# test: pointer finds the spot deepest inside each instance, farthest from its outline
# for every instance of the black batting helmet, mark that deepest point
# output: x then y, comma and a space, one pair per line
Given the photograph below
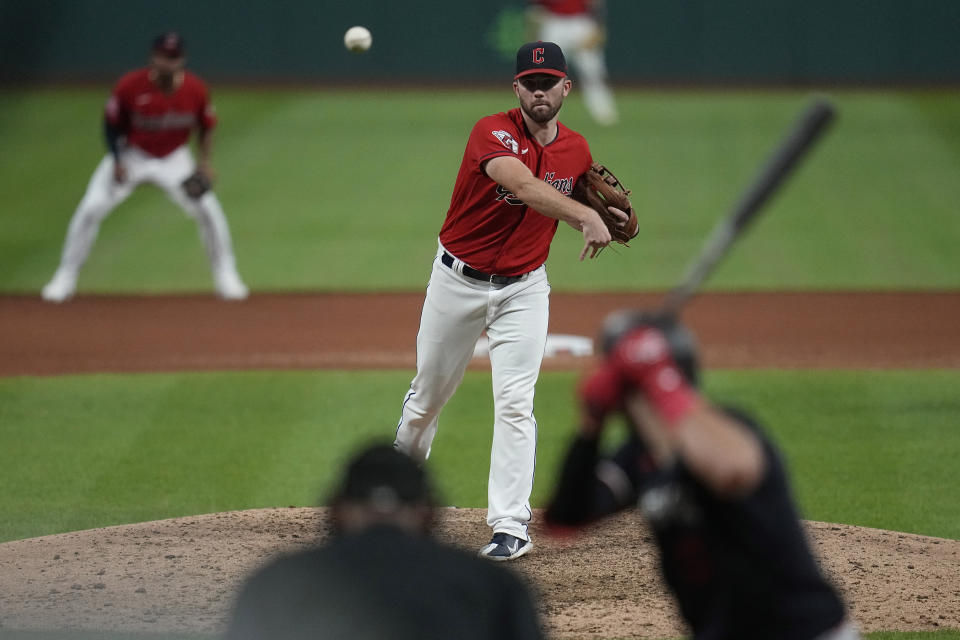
683, 345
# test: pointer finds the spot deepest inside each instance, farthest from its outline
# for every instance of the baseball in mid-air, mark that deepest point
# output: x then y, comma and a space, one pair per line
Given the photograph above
357, 39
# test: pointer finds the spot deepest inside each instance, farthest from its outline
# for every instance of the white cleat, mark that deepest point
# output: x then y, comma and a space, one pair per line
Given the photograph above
61, 287
231, 287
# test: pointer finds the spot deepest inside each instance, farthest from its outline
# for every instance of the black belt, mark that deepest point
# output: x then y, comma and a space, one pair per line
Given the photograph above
470, 272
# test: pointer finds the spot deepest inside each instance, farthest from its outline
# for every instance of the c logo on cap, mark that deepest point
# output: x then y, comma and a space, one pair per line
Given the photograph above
538, 55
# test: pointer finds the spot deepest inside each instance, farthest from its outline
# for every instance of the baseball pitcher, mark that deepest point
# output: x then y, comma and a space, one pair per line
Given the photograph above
512, 189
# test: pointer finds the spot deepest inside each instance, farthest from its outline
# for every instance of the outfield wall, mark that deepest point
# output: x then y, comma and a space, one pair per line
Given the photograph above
664, 41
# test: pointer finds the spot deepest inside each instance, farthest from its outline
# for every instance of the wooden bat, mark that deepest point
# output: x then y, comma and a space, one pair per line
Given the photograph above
809, 127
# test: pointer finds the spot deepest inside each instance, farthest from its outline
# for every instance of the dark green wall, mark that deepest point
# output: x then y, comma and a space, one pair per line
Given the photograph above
673, 41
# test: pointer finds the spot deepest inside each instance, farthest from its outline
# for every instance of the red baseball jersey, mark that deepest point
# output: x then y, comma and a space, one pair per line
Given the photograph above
566, 7
156, 121
488, 227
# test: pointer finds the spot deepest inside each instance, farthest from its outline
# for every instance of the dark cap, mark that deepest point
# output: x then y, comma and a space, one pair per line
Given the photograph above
168, 44
540, 57
382, 476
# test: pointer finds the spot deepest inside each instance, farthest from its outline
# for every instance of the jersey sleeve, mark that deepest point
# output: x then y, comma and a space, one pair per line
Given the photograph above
492, 137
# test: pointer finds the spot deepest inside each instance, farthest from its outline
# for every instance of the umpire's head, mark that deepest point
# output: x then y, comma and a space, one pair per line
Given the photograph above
382, 486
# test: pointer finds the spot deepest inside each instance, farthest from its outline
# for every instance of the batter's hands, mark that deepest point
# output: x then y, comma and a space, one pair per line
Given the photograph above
644, 361
596, 236
642, 356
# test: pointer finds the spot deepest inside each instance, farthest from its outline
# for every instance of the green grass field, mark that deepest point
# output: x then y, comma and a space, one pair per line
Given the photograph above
324, 188
873, 449
346, 190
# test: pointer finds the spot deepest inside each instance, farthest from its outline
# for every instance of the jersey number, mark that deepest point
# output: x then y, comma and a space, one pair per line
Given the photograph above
506, 196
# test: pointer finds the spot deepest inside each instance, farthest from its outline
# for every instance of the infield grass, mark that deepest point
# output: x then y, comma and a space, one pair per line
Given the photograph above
343, 190
875, 449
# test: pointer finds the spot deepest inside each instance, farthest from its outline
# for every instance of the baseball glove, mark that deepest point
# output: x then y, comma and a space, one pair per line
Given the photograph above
196, 184
598, 188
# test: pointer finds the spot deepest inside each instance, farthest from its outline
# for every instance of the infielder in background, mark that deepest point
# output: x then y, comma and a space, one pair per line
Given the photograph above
382, 575
710, 484
517, 171
579, 27
149, 118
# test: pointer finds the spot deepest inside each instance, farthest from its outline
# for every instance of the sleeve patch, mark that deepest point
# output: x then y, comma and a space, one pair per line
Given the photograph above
507, 140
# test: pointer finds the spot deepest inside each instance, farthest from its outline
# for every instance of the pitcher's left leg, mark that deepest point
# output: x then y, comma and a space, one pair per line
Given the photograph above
517, 338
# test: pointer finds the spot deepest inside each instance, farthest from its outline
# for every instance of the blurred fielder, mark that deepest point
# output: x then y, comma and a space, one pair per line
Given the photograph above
579, 27
149, 118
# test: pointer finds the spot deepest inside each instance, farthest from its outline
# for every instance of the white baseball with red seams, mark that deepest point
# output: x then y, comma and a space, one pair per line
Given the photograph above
357, 39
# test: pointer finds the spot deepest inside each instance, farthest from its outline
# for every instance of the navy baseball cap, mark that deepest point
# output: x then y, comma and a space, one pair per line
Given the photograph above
169, 44
540, 57
381, 474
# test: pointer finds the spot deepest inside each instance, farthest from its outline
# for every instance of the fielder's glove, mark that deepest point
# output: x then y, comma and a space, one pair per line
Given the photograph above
196, 184
598, 189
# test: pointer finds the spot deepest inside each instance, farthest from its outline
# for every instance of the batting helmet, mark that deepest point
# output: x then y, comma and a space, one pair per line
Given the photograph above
683, 345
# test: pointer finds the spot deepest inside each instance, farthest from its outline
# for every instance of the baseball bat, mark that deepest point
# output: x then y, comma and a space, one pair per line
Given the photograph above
808, 128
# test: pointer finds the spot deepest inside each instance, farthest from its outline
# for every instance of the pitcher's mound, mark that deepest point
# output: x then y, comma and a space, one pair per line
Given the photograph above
180, 575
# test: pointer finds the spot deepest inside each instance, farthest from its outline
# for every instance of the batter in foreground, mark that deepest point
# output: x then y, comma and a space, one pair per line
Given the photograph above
512, 190
711, 485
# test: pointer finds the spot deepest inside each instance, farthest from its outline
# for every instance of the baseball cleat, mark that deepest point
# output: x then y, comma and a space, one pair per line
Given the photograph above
504, 546
61, 287
231, 287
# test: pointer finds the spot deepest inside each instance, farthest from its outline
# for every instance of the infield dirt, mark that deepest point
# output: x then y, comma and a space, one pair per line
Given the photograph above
324, 331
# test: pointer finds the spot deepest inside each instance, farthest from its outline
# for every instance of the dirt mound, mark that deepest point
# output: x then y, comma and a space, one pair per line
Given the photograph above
180, 575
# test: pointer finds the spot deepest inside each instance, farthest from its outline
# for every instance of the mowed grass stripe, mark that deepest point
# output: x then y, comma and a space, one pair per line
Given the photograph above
339, 190
866, 448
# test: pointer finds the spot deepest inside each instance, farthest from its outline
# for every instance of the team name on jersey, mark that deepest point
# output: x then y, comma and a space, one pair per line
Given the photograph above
164, 121
563, 185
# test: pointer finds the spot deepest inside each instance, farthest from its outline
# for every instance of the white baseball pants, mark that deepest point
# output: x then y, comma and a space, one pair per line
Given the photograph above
456, 311
104, 194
